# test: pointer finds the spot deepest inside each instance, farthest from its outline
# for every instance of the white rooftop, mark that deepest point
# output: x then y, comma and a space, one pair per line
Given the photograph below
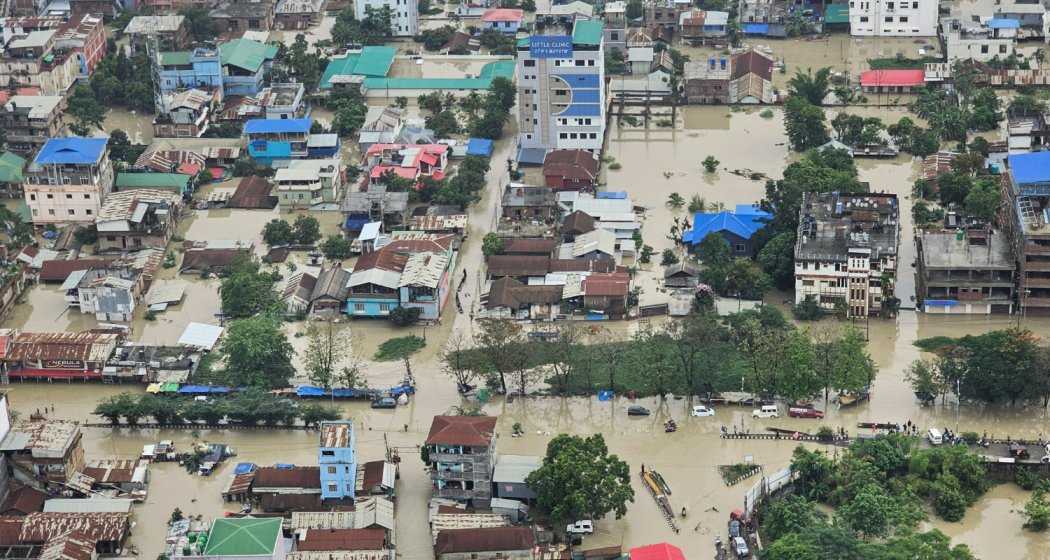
201, 335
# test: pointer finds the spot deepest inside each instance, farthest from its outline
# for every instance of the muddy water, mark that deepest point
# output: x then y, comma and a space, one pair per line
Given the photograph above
139, 127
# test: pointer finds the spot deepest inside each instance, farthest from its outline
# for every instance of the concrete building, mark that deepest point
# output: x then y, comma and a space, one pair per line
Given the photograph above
903, 18
277, 140
404, 14
279, 101
508, 478
30, 59
30, 120
45, 451
965, 271
337, 460
238, 16
995, 39
846, 250
707, 81
528, 203
111, 295
461, 451
186, 114
199, 68
170, 31
701, 26
892, 81
138, 218
308, 182
561, 92
297, 14
67, 180
745, 77
504, 20
244, 65
1027, 186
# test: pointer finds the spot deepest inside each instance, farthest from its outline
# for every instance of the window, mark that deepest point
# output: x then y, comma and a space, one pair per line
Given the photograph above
50, 211
1002, 49
333, 488
50, 196
32, 197
87, 197
357, 307
384, 307
563, 135
72, 212
88, 212
888, 19
69, 196
903, 19
580, 62
590, 63
984, 49
111, 238
915, 5
889, 5
332, 470
614, 36
807, 282
739, 247
530, 63
864, 19
328, 453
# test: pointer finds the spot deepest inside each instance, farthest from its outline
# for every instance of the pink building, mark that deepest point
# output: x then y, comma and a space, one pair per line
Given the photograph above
411, 162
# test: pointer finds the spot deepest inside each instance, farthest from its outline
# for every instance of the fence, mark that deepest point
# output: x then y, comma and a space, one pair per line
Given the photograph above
765, 487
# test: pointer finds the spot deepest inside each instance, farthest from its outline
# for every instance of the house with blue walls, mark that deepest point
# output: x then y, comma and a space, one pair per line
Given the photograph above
738, 228
411, 270
337, 461
244, 64
273, 141
199, 68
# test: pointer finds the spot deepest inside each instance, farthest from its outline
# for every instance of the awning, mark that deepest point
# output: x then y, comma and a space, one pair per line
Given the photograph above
169, 388
308, 391
755, 28
153, 388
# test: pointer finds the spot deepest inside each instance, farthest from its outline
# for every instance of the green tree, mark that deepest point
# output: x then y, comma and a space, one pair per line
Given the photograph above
668, 258
746, 280
675, 200
809, 86
855, 370
710, 164
405, 316
444, 124
1025, 105
278, 232
579, 479
245, 291
805, 124
306, 230
337, 247
634, 9
327, 349
1037, 511
87, 111
792, 514
814, 473
200, 24
258, 353
868, 512
491, 244
777, 259
982, 202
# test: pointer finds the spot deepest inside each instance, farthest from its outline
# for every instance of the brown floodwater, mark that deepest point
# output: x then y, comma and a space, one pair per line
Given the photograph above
688, 459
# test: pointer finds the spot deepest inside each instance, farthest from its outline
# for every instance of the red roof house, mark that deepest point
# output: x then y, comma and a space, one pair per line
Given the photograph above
507, 20
411, 162
473, 431
661, 551
570, 170
896, 81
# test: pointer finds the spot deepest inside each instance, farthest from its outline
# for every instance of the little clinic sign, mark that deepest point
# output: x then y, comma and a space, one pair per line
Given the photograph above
550, 46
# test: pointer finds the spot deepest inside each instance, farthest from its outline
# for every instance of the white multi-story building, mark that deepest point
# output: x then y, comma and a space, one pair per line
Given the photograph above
893, 18
404, 14
846, 250
561, 92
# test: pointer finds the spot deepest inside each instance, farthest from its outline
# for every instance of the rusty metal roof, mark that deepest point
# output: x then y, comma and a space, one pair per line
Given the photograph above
42, 527
83, 346
336, 434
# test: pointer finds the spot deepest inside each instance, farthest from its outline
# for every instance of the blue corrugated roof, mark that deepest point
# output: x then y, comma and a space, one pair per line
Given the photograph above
1003, 23
580, 80
582, 110
755, 28
277, 126
479, 147
1029, 168
743, 225
612, 195
72, 151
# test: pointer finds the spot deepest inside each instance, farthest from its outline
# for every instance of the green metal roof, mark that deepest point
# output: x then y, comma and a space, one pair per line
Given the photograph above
587, 32
174, 181
247, 54
246, 536
497, 69
371, 62
175, 58
11, 167
836, 13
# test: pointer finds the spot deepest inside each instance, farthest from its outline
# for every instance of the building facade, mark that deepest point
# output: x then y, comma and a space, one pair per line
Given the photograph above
965, 271
846, 250
461, 452
1027, 186
561, 92
337, 461
200, 68
30, 120
67, 180
404, 14
905, 18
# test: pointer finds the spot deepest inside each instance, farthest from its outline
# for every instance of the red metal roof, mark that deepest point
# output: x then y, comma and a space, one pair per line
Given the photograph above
503, 14
661, 551
295, 477
892, 78
58, 270
462, 430
613, 284
342, 539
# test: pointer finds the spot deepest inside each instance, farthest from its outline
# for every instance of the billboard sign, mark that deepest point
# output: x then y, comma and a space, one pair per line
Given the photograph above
550, 46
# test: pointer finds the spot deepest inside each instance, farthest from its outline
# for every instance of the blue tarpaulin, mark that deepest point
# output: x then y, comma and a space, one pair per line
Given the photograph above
219, 390
605, 395
244, 468
285, 466
479, 147
755, 28
941, 302
308, 391
194, 390
612, 195
355, 224
1003, 23
402, 389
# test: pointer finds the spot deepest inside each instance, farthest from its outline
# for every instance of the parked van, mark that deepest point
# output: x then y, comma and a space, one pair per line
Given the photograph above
935, 436
766, 411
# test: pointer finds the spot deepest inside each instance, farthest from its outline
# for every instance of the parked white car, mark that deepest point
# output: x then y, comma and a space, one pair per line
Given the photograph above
582, 527
701, 410
766, 411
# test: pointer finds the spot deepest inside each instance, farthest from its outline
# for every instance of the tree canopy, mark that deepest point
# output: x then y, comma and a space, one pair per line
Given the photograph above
258, 353
579, 479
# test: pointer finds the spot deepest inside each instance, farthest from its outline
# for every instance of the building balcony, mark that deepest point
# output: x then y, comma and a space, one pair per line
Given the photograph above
1036, 249
451, 475
454, 493
1036, 282
1028, 265
455, 458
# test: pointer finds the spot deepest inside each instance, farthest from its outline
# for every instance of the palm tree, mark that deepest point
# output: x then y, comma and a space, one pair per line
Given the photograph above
675, 200
697, 204
812, 87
